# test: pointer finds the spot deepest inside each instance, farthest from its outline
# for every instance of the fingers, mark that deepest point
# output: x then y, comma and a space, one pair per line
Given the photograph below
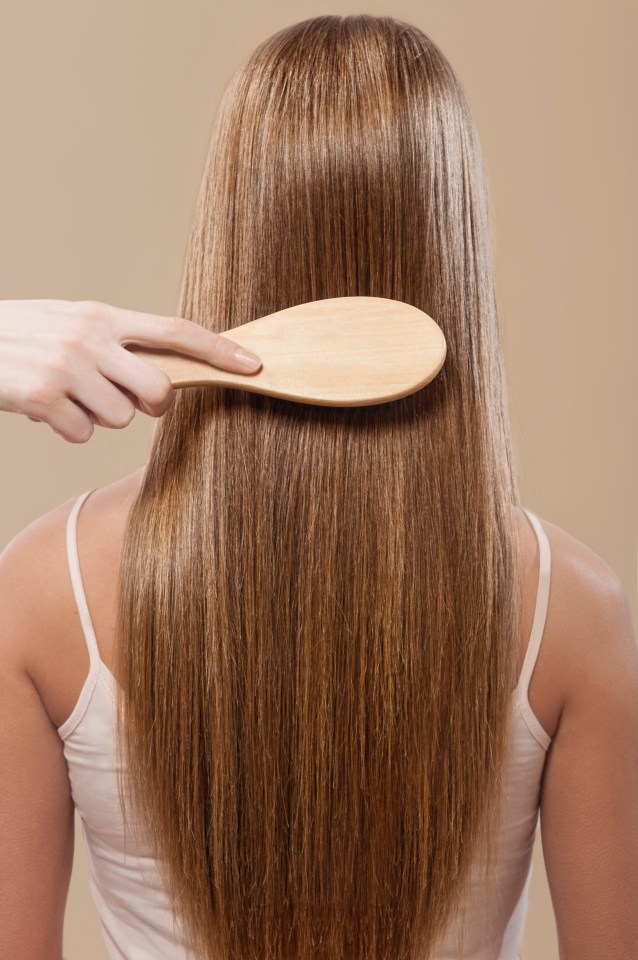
77, 372
109, 406
182, 336
68, 420
91, 399
142, 381
108, 396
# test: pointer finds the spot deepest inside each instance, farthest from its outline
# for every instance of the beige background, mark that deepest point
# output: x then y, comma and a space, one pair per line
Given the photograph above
106, 112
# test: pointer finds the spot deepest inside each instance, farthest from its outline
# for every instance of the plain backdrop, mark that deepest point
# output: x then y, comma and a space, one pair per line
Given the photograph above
106, 113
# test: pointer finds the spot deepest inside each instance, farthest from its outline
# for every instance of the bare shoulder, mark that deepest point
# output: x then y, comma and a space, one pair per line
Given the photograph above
36, 601
588, 616
42, 534
576, 560
37, 546
33, 574
578, 566
589, 610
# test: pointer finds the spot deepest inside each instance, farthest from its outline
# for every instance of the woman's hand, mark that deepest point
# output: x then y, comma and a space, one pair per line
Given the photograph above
64, 362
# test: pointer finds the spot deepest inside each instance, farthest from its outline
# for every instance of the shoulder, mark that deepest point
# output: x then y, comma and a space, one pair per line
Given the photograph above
32, 567
36, 600
580, 572
589, 633
589, 595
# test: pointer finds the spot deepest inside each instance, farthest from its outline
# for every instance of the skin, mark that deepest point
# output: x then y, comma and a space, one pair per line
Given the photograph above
64, 362
584, 691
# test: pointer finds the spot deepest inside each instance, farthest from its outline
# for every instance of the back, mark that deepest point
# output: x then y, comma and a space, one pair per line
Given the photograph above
588, 778
125, 883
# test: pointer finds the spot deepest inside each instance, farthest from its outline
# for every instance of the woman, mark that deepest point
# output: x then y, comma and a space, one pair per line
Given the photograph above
311, 632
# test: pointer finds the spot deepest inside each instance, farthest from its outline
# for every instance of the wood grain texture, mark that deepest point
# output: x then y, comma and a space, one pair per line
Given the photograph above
342, 351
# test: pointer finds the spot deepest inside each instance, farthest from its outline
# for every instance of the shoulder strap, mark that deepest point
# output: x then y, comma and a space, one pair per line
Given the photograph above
538, 626
542, 600
76, 580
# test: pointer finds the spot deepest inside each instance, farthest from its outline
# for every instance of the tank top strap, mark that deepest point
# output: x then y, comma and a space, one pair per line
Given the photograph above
76, 581
538, 626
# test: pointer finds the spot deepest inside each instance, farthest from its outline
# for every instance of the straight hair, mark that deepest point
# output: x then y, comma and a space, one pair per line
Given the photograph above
318, 612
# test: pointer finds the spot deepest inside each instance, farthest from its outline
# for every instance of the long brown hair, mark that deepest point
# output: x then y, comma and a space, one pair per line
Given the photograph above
319, 607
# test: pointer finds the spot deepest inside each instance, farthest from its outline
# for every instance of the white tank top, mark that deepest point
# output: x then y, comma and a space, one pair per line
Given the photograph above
136, 918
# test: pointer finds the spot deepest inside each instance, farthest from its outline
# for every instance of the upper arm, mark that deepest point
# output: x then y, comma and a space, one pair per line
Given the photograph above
589, 792
36, 807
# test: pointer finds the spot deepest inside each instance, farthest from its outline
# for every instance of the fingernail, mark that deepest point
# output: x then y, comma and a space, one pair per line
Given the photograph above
247, 359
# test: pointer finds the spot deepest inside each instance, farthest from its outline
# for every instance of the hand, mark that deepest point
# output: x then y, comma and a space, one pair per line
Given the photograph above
64, 362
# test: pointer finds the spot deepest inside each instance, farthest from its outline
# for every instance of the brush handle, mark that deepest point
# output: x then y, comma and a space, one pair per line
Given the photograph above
184, 371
